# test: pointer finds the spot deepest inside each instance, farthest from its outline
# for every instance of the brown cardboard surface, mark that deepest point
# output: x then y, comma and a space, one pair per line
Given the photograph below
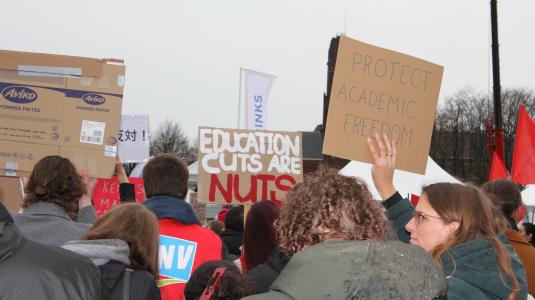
11, 192
53, 114
246, 174
376, 90
10, 60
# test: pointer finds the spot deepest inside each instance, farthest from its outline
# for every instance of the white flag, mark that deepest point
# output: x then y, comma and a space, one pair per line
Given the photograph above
257, 86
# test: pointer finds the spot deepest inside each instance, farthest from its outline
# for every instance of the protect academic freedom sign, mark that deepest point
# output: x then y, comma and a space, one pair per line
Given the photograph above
244, 166
376, 90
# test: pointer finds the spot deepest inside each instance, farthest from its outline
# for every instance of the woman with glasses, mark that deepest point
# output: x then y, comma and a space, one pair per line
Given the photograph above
459, 226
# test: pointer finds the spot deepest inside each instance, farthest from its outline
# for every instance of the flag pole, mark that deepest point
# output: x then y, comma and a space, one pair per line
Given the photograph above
239, 99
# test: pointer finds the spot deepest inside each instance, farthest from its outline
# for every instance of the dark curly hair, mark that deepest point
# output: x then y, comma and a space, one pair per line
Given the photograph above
54, 179
232, 286
326, 206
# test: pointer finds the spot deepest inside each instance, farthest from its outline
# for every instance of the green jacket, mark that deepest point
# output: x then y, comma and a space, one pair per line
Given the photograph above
358, 270
471, 268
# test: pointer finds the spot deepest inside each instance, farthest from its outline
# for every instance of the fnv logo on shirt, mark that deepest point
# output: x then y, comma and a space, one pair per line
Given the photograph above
175, 260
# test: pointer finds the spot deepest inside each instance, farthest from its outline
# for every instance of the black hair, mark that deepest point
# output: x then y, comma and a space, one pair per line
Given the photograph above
234, 219
233, 284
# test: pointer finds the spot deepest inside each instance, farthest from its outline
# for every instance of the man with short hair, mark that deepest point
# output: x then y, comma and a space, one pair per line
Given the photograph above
184, 244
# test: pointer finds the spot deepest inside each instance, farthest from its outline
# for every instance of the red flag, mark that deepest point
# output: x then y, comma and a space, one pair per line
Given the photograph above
497, 168
523, 170
414, 199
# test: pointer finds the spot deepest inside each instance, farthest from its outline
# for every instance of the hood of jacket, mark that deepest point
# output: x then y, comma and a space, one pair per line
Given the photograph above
101, 251
166, 207
359, 270
475, 262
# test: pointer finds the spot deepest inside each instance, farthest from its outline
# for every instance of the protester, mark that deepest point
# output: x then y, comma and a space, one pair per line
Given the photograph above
124, 245
56, 197
528, 229
218, 279
259, 237
334, 231
507, 197
232, 236
456, 224
184, 244
31, 270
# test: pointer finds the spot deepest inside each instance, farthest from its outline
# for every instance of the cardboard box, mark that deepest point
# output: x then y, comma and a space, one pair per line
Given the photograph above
59, 105
11, 192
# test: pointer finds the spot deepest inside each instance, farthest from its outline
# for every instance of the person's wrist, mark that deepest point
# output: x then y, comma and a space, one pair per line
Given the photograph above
85, 200
387, 192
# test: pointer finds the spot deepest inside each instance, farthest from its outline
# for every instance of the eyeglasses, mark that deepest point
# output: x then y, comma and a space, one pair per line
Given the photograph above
420, 216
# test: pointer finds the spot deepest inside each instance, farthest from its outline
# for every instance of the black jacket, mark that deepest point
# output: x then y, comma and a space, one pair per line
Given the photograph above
233, 240
265, 274
29, 270
142, 283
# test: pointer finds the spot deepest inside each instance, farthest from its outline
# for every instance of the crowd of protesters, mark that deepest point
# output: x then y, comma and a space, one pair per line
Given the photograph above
329, 240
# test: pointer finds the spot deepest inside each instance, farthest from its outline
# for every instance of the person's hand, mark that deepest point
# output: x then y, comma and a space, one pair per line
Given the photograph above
90, 182
384, 161
119, 170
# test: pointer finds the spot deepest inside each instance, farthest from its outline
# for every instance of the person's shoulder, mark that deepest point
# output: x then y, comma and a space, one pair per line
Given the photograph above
142, 276
461, 289
20, 217
207, 232
66, 256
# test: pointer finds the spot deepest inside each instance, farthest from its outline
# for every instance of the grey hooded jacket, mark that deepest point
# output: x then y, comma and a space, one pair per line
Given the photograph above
112, 258
49, 223
358, 270
30, 270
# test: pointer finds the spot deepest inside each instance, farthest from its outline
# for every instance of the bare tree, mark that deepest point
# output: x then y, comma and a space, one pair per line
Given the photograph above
170, 138
459, 142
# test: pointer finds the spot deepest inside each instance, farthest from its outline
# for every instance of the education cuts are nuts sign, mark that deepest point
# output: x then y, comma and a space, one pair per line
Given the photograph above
246, 166
376, 90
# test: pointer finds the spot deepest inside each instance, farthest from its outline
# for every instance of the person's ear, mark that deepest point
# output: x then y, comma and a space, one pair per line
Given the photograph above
517, 214
452, 227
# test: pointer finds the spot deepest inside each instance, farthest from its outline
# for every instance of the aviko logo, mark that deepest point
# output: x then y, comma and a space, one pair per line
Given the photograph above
175, 260
93, 99
19, 94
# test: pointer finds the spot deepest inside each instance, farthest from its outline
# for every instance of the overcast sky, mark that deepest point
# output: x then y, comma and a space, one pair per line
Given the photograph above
183, 57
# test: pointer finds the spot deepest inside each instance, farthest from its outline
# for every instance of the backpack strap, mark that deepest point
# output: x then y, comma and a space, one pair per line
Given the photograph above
126, 283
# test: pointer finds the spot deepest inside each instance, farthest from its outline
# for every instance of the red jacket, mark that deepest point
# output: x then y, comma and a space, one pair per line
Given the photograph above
184, 245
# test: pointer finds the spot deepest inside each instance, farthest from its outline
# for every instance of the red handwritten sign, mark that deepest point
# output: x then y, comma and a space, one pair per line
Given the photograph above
106, 193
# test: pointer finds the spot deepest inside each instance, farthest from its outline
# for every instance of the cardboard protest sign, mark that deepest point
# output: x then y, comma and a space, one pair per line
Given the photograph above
11, 192
59, 105
244, 166
376, 90
134, 138
106, 193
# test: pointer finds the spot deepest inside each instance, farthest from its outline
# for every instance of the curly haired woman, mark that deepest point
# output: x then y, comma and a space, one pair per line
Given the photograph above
335, 233
57, 203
